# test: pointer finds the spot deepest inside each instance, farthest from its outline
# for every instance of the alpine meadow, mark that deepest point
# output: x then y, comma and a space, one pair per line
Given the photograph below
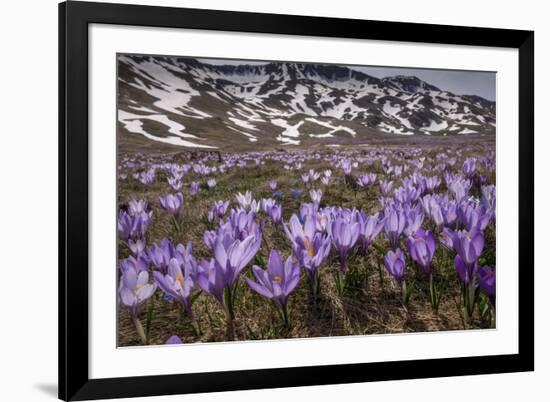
265, 200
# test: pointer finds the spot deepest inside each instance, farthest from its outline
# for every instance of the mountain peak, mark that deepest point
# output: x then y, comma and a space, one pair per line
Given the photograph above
409, 83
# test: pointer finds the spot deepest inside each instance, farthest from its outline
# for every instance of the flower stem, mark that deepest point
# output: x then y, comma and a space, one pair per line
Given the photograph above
404, 296
339, 284
149, 320
229, 314
228, 304
433, 295
314, 286
381, 276
285, 315
139, 329
176, 224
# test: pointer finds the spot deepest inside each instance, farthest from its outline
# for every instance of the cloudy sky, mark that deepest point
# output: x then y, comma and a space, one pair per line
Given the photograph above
459, 82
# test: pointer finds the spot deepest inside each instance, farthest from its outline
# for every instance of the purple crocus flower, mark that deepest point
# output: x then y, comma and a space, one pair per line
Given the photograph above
468, 246
244, 200
370, 228
194, 188
473, 215
366, 180
489, 197
344, 235
276, 214
433, 210
134, 290
432, 183
175, 183
300, 236
394, 224
297, 193
460, 188
147, 178
312, 253
173, 340
465, 272
469, 167
136, 263
243, 224
386, 187
137, 207
394, 261
346, 166
487, 282
217, 210
448, 208
211, 183
413, 219
172, 203
233, 258
278, 281
179, 281
308, 209
316, 196
210, 278
446, 238
160, 255
322, 220
273, 185
408, 193
266, 204
133, 227
421, 247
313, 175
219, 276
137, 246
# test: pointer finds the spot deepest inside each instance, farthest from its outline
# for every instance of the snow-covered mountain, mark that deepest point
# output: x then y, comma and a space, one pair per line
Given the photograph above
183, 102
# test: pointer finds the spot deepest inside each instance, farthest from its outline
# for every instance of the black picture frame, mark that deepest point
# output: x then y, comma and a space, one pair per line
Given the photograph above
74, 18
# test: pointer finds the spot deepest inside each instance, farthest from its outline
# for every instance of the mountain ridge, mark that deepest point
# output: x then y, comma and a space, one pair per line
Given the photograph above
187, 103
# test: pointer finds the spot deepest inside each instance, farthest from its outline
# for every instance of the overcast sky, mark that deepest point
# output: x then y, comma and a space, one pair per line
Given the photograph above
459, 82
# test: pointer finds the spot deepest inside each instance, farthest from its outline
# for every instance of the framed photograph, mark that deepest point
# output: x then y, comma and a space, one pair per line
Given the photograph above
257, 200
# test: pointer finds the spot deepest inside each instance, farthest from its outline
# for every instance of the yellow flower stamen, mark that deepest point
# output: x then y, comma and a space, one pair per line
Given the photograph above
277, 279
179, 278
309, 247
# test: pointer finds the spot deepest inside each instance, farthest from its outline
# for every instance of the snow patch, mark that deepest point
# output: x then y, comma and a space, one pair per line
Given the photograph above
135, 125
467, 131
173, 127
386, 128
243, 124
173, 93
290, 130
389, 109
332, 128
251, 138
434, 126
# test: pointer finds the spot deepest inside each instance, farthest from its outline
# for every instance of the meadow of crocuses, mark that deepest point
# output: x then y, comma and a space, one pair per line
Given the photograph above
305, 243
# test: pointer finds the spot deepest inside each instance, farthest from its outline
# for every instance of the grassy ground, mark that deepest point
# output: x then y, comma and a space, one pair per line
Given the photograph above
371, 302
